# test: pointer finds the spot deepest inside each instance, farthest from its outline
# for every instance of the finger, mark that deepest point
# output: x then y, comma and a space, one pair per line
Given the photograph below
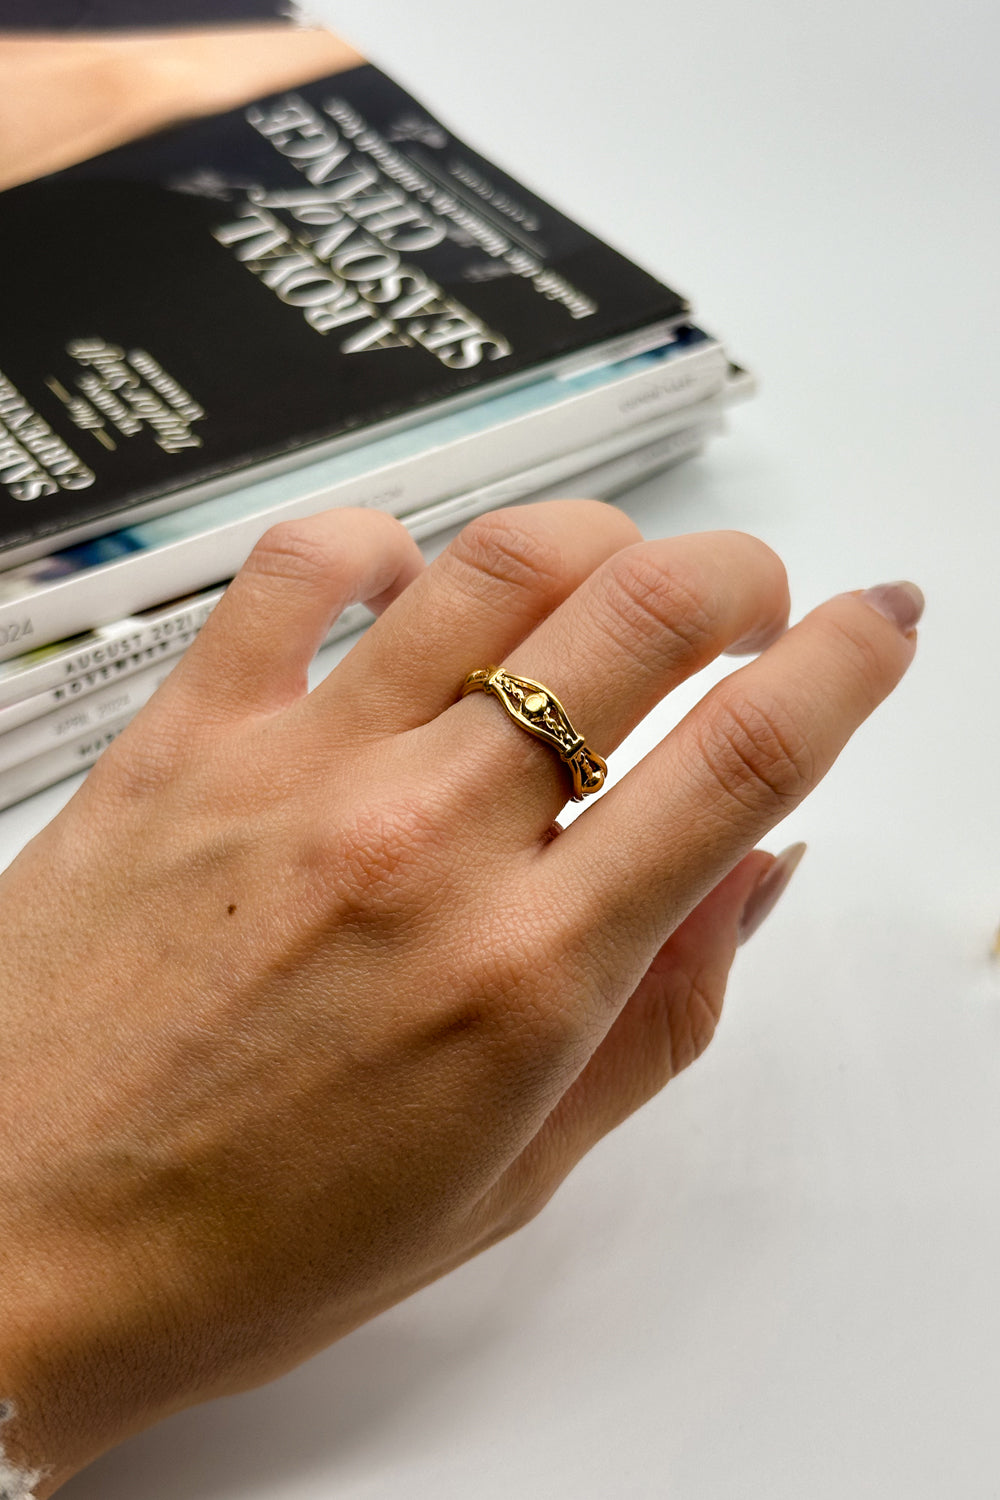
667, 1023
254, 652
742, 758
487, 590
638, 626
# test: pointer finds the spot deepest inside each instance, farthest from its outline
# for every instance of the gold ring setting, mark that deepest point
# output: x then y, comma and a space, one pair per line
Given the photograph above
531, 705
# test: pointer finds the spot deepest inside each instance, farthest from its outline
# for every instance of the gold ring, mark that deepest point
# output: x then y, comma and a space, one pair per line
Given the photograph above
531, 705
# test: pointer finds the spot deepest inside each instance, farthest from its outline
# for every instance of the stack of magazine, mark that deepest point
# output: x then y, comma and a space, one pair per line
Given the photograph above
319, 299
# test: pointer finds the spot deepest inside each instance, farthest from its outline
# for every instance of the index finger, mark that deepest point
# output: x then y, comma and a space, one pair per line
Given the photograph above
644, 855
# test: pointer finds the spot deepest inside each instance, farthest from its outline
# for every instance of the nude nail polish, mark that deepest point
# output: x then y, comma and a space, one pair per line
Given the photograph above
768, 891
902, 603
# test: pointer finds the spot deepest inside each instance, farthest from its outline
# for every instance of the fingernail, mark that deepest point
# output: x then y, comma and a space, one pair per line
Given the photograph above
751, 644
902, 603
768, 891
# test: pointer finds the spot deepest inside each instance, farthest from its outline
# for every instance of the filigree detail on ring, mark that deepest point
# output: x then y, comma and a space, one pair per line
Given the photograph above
539, 711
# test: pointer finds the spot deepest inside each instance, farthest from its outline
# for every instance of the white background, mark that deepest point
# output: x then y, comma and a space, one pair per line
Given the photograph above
781, 1279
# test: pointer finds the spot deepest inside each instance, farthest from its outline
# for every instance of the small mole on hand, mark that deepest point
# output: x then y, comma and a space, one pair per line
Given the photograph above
231, 909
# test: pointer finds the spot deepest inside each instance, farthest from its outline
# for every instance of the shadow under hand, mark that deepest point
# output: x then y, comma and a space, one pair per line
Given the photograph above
315, 1419
349, 1413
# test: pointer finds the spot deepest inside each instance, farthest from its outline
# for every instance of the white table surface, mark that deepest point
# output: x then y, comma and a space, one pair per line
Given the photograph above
782, 1279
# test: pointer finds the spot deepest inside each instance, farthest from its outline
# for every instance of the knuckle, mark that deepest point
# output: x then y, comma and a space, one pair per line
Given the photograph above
291, 552
145, 759
758, 550
597, 518
504, 547
859, 656
384, 863
523, 990
127, 774
756, 752
379, 520
651, 603
546, 1018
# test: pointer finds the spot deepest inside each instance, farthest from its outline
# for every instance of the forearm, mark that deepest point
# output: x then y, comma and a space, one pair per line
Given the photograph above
89, 1291
17, 1482
63, 101
61, 1402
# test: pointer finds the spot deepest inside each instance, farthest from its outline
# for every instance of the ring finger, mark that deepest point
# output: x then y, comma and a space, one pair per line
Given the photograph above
502, 574
640, 624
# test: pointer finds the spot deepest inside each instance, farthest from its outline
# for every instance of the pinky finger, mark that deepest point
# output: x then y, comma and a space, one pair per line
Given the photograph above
254, 652
664, 1027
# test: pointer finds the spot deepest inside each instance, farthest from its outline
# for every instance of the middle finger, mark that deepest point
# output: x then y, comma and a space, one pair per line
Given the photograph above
644, 621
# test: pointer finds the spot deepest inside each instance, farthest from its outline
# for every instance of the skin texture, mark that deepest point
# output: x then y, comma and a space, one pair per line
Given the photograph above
303, 1003
64, 99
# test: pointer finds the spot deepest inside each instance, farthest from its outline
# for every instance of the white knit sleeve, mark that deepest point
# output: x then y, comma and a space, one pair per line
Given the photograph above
15, 1484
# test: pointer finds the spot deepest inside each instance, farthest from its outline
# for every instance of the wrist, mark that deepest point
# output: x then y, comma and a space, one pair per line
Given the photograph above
79, 1365
18, 1481
48, 1432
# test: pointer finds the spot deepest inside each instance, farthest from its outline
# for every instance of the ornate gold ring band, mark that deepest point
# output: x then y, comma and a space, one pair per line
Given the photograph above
531, 705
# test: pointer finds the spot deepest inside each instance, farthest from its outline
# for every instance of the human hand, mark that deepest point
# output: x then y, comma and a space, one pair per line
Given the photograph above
303, 1001
64, 98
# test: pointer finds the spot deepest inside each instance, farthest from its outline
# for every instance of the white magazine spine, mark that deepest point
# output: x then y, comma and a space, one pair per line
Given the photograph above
88, 716
130, 644
598, 481
141, 579
634, 468
125, 646
31, 776
78, 689
604, 469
